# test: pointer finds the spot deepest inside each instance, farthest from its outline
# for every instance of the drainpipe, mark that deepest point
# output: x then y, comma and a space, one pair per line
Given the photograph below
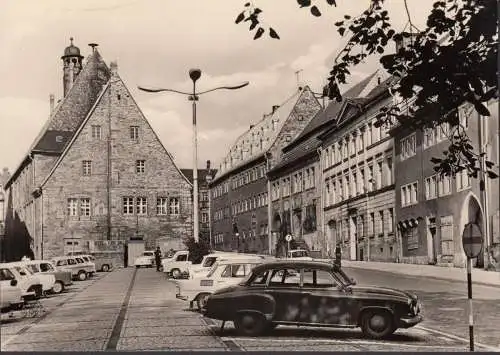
321, 200
269, 213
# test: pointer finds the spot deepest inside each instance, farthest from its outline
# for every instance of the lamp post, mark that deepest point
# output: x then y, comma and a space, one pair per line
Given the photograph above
195, 74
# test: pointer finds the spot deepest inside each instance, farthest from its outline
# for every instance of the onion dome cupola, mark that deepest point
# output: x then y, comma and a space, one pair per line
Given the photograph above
72, 60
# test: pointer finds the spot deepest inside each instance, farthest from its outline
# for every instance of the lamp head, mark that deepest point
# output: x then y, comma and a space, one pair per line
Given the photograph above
194, 74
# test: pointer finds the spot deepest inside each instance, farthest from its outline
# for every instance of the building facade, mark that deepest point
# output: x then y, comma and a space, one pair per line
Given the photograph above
432, 210
205, 176
4, 177
97, 175
296, 183
358, 178
240, 190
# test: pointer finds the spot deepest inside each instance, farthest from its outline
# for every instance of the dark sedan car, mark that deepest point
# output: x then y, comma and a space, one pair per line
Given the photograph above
311, 293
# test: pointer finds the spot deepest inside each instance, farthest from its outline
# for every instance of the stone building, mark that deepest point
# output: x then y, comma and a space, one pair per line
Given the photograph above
296, 182
97, 175
432, 210
240, 189
358, 178
205, 176
4, 177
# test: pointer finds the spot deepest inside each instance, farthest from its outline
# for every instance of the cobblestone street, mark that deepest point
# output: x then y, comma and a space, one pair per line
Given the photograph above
131, 309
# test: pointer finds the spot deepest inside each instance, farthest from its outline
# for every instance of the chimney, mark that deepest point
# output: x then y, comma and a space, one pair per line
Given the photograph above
113, 67
208, 164
51, 100
275, 107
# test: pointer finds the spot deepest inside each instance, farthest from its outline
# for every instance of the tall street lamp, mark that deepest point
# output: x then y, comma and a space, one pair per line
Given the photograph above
195, 74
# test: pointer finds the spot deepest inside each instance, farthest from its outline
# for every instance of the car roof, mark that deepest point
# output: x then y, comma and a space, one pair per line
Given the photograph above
294, 264
239, 261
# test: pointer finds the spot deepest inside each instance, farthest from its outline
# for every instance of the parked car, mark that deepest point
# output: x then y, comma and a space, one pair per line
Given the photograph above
225, 272
147, 259
47, 280
208, 261
80, 270
178, 265
299, 254
30, 285
319, 294
11, 296
102, 263
63, 279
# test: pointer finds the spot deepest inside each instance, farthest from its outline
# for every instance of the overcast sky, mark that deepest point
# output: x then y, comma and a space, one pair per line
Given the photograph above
155, 43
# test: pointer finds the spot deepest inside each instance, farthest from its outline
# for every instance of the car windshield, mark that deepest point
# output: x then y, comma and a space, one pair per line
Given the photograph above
212, 270
44, 267
6, 275
33, 267
209, 261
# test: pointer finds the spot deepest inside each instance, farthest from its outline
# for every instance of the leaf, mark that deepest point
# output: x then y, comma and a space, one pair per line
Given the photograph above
340, 23
331, 2
259, 33
481, 109
380, 49
341, 30
273, 33
240, 18
247, 4
492, 174
489, 164
257, 11
315, 11
304, 3
347, 17
254, 24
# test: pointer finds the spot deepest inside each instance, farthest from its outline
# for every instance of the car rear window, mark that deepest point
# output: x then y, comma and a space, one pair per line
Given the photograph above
62, 262
210, 261
6, 275
44, 267
71, 262
33, 267
80, 261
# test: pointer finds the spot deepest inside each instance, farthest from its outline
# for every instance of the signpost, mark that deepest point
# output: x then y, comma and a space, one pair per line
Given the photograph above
472, 241
288, 239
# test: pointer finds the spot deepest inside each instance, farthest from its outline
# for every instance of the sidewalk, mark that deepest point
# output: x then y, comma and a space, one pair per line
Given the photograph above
490, 278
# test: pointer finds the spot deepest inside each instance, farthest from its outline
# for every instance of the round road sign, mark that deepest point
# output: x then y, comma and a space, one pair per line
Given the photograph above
288, 238
472, 240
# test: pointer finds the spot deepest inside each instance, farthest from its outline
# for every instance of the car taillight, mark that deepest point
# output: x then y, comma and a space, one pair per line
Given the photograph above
206, 282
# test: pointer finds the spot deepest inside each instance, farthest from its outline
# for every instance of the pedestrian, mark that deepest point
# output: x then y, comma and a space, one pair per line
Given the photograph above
158, 258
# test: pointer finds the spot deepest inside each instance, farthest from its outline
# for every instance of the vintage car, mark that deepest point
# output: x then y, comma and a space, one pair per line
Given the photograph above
311, 293
178, 265
201, 269
80, 269
30, 285
63, 279
47, 280
11, 295
102, 263
299, 254
147, 259
223, 273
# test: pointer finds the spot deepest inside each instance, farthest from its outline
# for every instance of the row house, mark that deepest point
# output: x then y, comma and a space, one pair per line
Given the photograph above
97, 176
296, 184
357, 160
432, 210
240, 189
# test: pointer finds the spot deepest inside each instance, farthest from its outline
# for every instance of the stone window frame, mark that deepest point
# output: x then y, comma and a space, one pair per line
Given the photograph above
72, 207
140, 166
204, 217
174, 206
128, 205
134, 133
86, 167
141, 205
408, 146
96, 132
85, 207
162, 206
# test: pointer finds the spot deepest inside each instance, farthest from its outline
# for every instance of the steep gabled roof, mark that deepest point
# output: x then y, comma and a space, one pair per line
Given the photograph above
114, 80
307, 142
202, 174
256, 141
71, 111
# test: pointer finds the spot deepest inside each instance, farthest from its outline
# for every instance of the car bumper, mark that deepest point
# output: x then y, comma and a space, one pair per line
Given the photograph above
408, 322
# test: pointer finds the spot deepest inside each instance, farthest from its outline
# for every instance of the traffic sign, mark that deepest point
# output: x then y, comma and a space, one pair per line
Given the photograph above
288, 238
472, 240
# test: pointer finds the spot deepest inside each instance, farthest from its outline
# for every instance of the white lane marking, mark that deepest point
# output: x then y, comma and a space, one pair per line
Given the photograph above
455, 337
332, 341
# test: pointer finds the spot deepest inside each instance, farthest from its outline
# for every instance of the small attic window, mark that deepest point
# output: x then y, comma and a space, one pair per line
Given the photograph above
300, 118
119, 97
59, 139
288, 138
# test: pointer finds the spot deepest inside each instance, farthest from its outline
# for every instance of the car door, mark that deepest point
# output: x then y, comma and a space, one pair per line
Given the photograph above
284, 287
7, 291
329, 302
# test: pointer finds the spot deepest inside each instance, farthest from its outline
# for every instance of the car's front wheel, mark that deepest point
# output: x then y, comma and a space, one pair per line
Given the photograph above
58, 287
105, 268
176, 273
250, 324
82, 275
377, 324
201, 300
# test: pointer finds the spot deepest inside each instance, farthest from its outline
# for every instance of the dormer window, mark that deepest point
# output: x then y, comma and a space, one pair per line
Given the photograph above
59, 139
288, 138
